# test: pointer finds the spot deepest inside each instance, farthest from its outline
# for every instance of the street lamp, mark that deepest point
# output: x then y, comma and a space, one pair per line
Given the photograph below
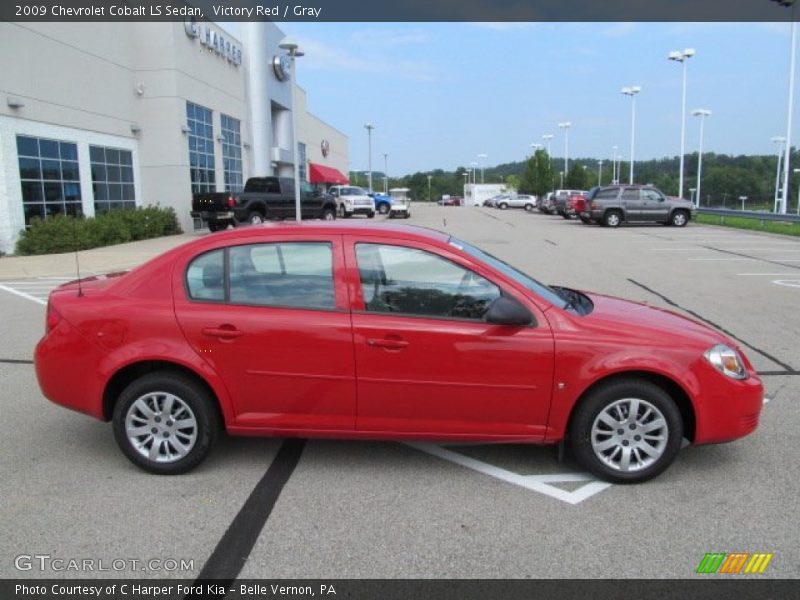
599, 172
385, 173
293, 51
780, 140
614, 175
481, 157
682, 56
565, 126
474, 166
632, 91
561, 173
369, 127
788, 147
702, 113
429, 187
547, 137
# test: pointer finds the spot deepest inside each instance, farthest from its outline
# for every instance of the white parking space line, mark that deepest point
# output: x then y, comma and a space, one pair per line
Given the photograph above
766, 274
746, 258
536, 483
35, 290
23, 295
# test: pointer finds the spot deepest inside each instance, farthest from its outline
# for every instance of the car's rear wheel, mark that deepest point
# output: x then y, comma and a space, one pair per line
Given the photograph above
613, 218
383, 208
503, 205
371, 214
626, 431
217, 225
328, 214
679, 218
529, 207
255, 218
585, 220
165, 423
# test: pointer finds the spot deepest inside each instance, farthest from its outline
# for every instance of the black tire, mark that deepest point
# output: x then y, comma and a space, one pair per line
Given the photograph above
328, 214
502, 205
566, 216
200, 406
371, 215
585, 220
679, 218
255, 218
529, 207
217, 225
612, 218
383, 208
609, 396
408, 214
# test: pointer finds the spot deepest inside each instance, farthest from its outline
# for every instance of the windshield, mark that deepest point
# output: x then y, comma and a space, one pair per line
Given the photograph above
538, 288
353, 191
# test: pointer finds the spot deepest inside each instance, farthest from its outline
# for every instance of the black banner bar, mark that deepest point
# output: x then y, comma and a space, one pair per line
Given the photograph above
399, 10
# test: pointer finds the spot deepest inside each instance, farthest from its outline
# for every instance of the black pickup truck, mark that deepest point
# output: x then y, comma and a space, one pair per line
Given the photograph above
263, 198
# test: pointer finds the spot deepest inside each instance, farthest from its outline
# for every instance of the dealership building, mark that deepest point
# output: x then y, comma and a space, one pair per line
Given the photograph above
100, 116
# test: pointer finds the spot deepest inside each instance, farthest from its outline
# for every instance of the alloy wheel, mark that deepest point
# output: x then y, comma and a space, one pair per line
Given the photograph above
161, 427
629, 435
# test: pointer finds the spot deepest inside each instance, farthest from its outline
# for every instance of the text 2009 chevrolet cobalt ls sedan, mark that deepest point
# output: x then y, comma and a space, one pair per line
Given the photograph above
329, 330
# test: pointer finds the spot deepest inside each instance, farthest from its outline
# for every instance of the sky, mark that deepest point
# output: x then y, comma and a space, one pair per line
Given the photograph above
440, 94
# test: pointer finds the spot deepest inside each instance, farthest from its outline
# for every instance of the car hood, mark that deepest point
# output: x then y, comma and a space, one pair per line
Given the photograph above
638, 318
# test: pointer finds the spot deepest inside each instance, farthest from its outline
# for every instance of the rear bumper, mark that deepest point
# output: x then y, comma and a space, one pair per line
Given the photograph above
209, 215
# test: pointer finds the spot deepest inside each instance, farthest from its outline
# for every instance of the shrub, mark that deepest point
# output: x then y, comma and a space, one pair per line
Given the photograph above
67, 234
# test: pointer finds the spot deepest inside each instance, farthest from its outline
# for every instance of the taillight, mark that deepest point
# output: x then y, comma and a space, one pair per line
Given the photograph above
592, 205
231, 202
53, 318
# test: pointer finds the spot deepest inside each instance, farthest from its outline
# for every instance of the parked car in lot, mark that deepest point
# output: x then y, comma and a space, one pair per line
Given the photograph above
383, 202
514, 201
351, 200
263, 198
388, 332
614, 205
450, 201
560, 199
546, 203
576, 204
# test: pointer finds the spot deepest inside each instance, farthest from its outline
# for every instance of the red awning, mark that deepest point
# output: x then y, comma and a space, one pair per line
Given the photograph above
322, 174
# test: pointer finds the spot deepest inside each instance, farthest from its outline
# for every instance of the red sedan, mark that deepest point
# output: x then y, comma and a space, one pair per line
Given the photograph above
388, 332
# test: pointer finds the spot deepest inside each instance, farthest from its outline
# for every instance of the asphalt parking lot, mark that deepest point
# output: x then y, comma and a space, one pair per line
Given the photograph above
375, 510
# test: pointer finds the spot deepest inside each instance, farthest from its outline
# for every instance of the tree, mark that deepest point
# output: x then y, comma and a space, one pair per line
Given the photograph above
537, 178
512, 182
577, 178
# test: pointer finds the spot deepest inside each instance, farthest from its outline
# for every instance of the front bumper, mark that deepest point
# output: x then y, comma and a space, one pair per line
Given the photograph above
730, 409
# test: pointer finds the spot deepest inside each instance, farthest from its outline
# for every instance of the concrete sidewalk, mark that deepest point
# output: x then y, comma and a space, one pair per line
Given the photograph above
92, 262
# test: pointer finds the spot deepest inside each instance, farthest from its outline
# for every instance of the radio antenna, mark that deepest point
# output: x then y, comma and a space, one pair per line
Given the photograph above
76, 239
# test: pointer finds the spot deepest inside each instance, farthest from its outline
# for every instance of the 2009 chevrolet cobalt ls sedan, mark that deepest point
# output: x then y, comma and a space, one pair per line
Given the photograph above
388, 332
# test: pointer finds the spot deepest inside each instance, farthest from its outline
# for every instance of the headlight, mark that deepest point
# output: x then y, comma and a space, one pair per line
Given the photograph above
727, 361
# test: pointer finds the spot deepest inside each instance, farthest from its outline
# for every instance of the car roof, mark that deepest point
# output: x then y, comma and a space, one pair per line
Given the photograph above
334, 228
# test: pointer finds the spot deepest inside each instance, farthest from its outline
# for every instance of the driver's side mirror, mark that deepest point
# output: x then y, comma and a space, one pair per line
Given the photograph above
507, 311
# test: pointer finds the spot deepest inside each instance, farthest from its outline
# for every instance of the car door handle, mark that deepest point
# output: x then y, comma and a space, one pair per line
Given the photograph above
225, 332
386, 343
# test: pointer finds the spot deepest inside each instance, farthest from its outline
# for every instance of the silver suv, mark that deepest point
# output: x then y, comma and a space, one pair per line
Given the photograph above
616, 204
352, 200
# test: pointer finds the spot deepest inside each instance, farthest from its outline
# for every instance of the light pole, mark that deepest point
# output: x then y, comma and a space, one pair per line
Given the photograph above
561, 173
702, 113
369, 127
429, 187
536, 147
780, 140
682, 56
632, 91
798, 192
614, 165
293, 51
385, 173
547, 137
599, 172
474, 166
790, 110
565, 126
481, 157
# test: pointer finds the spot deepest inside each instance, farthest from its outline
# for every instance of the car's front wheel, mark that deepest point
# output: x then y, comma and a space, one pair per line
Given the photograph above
679, 218
612, 218
626, 431
165, 423
383, 208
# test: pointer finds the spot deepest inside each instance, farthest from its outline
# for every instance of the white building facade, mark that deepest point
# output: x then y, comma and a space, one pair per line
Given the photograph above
99, 116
